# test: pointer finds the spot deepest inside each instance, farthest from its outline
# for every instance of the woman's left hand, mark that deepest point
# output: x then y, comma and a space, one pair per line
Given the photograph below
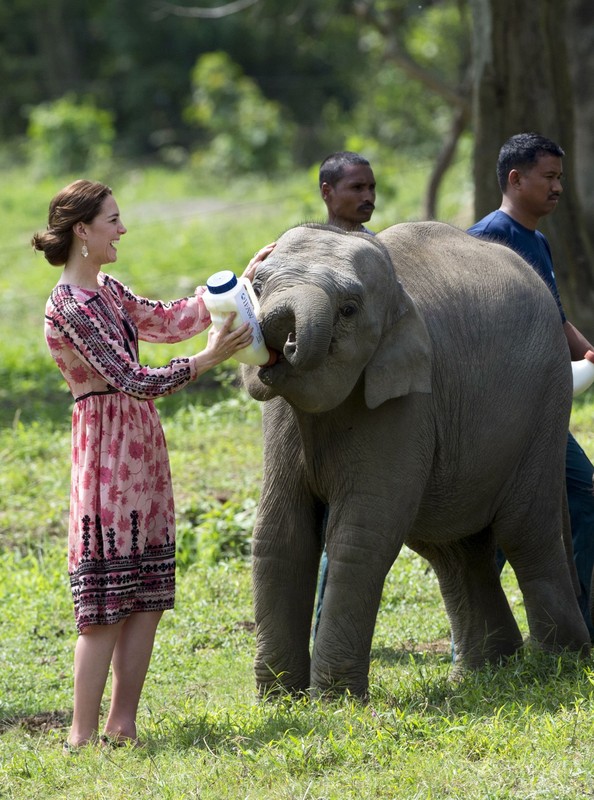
258, 257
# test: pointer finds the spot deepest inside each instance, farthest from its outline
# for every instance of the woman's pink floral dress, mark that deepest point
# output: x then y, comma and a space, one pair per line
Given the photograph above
121, 554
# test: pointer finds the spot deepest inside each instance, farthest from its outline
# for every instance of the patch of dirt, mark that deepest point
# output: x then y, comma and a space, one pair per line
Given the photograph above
439, 646
245, 625
36, 723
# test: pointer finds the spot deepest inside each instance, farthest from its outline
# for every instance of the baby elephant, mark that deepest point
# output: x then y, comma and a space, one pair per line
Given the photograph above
421, 395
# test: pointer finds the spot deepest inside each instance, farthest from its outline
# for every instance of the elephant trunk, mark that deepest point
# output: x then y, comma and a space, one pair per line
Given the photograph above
299, 325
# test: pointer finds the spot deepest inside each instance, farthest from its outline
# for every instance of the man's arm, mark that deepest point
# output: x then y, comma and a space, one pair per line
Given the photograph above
578, 344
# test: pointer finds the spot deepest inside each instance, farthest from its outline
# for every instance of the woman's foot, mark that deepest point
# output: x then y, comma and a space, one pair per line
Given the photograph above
71, 748
118, 740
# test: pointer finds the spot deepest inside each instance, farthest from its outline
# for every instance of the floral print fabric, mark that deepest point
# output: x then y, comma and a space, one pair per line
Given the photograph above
121, 553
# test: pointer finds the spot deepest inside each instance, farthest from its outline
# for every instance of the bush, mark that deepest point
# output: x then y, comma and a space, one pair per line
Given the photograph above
69, 135
245, 130
212, 532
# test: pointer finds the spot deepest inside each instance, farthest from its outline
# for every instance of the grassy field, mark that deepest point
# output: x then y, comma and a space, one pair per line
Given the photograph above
525, 730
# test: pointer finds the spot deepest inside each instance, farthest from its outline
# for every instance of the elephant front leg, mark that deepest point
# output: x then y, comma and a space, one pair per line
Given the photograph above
286, 551
356, 574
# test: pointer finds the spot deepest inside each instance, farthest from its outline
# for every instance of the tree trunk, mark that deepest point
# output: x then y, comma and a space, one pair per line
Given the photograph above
444, 160
581, 59
522, 83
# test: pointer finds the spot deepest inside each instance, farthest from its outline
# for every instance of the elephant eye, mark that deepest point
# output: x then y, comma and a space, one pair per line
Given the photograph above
348, 309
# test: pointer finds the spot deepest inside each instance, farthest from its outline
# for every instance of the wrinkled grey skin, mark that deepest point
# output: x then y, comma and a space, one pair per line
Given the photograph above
423, 394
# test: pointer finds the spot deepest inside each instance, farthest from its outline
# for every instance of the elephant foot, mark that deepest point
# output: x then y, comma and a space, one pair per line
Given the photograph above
332, 687
272, 684
581, 648
279, 676
330, 693
462, 668
271, 694
270, 690
496, 653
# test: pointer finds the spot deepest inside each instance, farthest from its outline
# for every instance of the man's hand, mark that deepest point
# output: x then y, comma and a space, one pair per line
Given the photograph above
259, 256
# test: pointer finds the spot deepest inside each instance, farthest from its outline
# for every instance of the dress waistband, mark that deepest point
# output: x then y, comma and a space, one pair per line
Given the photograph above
92, 394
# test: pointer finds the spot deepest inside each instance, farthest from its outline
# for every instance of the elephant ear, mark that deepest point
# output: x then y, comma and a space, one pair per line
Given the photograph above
402, 362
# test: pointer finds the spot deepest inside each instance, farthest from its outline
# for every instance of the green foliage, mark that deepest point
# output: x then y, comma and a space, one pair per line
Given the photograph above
69, 135
217, 449
34, 484
439, 38
246, 132
395, 110
317, 67
208, 532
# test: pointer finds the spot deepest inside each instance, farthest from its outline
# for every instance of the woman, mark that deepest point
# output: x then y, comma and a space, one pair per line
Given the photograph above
122, 529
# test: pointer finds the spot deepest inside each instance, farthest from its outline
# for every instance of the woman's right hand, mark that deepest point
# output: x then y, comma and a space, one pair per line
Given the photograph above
222, 344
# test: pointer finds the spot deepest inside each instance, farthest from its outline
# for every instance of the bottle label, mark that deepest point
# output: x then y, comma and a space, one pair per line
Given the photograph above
246, 311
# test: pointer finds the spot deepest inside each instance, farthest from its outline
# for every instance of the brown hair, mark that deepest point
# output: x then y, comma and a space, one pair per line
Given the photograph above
80, 201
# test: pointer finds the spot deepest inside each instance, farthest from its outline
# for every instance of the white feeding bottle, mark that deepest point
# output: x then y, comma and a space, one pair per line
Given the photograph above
583, 375
226, 293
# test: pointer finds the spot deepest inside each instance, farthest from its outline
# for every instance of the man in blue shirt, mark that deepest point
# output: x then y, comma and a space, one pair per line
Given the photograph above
529, 171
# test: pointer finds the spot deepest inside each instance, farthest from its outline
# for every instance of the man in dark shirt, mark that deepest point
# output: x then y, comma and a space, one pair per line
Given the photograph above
529, 171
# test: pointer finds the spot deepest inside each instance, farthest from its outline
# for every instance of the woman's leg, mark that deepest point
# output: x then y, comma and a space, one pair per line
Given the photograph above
130, 662
92, 656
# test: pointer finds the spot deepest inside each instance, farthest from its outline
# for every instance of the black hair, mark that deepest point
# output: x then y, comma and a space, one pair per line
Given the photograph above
333, 166
523, 150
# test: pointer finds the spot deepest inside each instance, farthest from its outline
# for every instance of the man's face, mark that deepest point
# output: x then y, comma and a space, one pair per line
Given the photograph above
352, 201
540, 186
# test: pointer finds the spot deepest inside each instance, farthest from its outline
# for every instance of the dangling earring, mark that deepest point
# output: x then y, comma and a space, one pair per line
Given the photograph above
84, 250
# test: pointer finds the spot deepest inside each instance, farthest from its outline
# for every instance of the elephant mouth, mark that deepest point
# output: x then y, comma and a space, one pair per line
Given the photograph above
270, 372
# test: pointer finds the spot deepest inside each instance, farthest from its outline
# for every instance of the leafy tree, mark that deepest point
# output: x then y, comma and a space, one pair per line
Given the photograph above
246, 132
69, 135
420, 97
522, 83
320, 62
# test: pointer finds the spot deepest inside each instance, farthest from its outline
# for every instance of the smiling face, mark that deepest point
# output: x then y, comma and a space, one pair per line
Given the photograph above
103, 233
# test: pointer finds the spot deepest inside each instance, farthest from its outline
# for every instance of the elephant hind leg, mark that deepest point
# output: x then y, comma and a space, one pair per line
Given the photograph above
533, 533
554, 617
483, 626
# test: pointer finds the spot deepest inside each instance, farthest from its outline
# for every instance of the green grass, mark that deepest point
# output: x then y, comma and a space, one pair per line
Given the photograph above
521, 731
